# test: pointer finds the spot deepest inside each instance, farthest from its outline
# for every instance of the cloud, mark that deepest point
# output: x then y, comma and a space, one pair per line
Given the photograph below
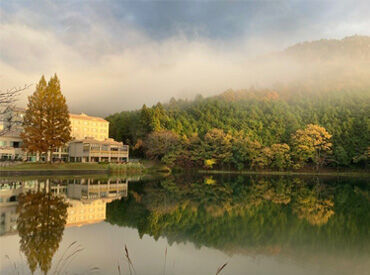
113, 57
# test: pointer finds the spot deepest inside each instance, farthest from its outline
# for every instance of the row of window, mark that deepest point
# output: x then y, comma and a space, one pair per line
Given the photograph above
99, 124
87, 210
76, 129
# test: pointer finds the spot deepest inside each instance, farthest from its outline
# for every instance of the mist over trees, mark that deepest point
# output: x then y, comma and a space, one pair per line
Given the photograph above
252, 129
320, 117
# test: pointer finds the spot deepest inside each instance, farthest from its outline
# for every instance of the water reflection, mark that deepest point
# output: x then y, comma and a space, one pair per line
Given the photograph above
40, 224
322, 221
40, 209
253, 214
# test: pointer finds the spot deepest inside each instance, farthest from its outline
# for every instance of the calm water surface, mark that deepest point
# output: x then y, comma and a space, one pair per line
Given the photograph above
185, 225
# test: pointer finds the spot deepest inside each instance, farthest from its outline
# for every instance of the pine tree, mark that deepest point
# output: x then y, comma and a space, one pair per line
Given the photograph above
46, 123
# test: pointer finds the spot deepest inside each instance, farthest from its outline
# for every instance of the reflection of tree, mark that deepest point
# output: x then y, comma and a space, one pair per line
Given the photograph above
41, 222
249, 214
312, 205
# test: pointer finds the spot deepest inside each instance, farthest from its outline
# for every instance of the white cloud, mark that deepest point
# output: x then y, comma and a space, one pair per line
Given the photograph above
106, 66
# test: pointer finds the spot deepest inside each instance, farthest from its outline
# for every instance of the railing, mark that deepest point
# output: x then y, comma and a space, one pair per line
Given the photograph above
104, 152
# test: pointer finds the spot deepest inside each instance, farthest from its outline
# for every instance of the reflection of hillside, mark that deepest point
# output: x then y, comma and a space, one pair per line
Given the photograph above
254, 215
86, 198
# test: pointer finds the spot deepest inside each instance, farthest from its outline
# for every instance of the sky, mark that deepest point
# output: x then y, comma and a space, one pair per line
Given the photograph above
113, 55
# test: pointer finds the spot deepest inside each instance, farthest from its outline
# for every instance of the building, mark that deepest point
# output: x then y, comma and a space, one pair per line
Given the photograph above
86, 131
12, 118
89, 126
10, 145
92, 150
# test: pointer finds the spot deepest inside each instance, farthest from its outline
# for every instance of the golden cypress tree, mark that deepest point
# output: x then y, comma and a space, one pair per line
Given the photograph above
46, 123
34, 120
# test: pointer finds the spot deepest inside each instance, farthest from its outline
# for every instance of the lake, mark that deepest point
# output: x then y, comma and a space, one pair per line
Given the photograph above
185, 224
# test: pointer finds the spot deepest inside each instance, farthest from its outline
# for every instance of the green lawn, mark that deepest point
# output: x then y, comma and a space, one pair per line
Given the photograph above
55, 166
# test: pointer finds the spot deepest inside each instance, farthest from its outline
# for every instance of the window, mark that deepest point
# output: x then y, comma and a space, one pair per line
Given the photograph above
16, 144
86, 147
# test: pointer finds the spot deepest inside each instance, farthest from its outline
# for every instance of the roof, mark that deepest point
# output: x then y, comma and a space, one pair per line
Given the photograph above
10, 133
18, 109
13, 109
108, 141
86, 117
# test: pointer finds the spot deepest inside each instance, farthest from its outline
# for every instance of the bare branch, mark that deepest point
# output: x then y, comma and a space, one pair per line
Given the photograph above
7, 99
9, 96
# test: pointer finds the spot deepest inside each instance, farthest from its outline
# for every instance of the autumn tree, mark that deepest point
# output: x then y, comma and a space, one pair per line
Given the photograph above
217, 146
244, 150
312, 143
46, 122
280, 156
263, 159
158, 144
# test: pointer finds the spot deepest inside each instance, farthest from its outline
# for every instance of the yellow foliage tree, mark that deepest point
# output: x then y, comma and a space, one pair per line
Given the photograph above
312, 143
46, 122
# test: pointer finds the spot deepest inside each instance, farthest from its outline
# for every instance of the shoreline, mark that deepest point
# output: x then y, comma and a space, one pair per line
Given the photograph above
288, 173
41, 172
152, 168
68, 169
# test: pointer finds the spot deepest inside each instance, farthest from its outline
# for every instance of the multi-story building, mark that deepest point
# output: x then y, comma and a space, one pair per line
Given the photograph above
92, 150
86, 131
89, 126
12, 118
10, 145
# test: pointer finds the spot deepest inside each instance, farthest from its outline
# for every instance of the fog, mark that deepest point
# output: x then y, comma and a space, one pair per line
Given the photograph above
104, 70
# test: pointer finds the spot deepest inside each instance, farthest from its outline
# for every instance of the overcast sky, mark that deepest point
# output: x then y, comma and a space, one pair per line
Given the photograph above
113, 55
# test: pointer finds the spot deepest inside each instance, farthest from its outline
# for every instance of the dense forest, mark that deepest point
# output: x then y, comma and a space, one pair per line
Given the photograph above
320, 120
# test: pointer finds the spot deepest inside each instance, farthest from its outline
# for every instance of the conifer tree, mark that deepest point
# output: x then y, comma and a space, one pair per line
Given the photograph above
46, 123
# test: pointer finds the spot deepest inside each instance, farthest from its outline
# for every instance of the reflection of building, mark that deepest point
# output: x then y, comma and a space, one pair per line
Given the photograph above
8, 205
86, 131
87, 199
92, 189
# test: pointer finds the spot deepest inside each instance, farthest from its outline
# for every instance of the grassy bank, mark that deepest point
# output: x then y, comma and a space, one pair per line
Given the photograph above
78, 168
54, 166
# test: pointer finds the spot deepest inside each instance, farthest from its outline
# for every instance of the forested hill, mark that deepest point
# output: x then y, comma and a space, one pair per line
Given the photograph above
267, 128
